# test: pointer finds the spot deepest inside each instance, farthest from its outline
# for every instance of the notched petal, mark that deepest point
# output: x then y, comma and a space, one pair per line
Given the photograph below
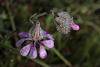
42, 52
33, 53
48, 36
48, 43
21, 41
25, 50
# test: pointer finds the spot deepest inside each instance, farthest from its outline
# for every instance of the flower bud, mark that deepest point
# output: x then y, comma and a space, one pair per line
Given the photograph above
34, 32
75, 26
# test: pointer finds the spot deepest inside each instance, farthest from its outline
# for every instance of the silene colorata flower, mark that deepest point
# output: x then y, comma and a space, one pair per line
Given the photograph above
35, 34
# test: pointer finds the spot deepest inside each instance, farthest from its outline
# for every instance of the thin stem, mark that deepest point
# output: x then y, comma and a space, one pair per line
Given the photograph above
31, 19
17, 29
10, 16
34, 17
11, 19
39, 62
35, 60
62, 57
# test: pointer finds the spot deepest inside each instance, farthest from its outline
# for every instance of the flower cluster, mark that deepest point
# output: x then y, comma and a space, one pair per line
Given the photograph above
64, 22
32, 46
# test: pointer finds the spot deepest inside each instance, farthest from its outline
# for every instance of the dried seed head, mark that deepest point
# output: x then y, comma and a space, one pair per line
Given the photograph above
35, 32
63, 22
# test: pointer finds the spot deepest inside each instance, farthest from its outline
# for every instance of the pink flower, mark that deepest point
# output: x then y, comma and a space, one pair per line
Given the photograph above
32, 46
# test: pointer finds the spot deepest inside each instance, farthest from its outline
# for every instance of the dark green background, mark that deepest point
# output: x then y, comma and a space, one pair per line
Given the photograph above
81, 48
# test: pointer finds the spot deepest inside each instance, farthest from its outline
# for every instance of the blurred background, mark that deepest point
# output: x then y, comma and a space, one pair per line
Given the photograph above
81, 48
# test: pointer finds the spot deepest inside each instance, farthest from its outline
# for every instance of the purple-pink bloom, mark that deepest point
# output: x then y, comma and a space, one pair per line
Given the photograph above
32, 46
75, 26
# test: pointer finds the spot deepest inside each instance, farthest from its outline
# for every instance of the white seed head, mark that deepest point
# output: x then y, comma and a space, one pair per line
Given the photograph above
63, 22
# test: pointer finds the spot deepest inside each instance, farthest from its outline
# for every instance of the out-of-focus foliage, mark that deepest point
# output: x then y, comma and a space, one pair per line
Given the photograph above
81, 48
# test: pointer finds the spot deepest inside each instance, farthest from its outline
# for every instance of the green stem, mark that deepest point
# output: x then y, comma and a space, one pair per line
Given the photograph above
34, 17
39, 62
35, 60
11, 17
11, 20
39, 15
31, 19
62, 57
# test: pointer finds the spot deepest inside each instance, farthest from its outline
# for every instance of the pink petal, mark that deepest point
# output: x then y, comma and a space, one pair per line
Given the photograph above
21, 41
48, 36
44, 32
48, 43
33, 52
23, 34
42, 52
75, 26
25, 50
